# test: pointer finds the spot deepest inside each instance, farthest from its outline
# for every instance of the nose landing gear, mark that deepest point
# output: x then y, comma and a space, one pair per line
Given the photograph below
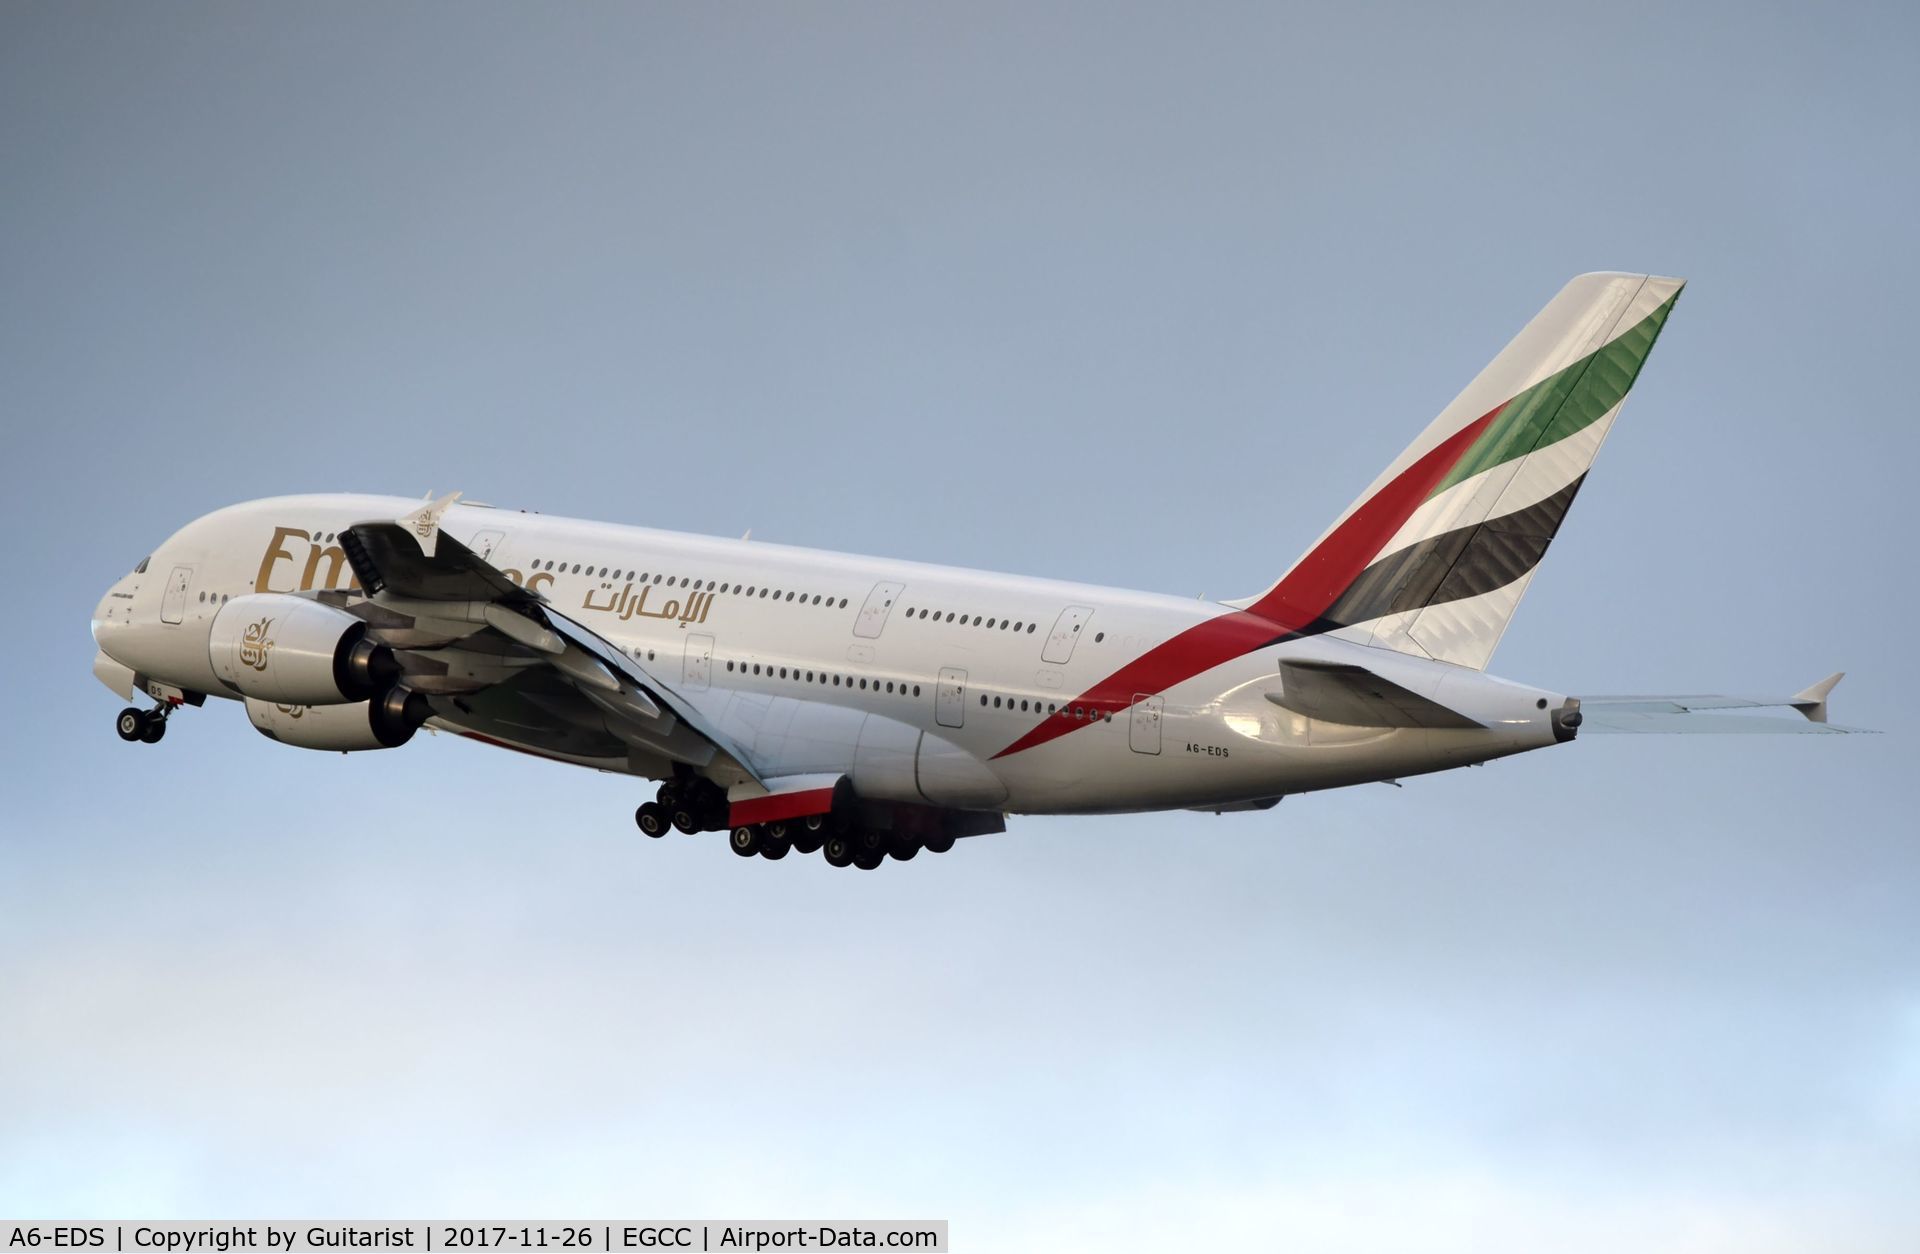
143, 725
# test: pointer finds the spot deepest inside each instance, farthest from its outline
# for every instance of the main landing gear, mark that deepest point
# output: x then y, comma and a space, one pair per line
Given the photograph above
688, 806
865, 848
146, 726
697, 805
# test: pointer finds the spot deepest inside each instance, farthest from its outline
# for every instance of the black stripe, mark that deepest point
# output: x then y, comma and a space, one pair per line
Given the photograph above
1452, 566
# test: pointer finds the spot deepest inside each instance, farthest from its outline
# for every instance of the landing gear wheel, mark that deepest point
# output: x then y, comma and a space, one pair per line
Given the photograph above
651, 819
838, 851
684, 822
870, 841
814, 822
776, 830
745, 841
808, 842
774, 850
868, 861
156, 727
903, 852
938, 844
131, 724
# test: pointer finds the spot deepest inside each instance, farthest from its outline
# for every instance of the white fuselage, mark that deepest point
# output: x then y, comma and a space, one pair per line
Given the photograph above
787, 648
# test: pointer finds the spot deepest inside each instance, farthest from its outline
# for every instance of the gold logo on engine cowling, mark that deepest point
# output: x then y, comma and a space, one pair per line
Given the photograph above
255, 645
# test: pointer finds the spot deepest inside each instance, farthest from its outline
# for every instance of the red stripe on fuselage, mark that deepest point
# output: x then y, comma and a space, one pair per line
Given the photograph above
1297, 600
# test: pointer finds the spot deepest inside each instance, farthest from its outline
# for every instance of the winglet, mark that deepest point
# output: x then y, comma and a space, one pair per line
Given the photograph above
1813, 701
423, 524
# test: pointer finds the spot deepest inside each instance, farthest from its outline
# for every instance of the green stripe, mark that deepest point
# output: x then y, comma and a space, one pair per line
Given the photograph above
1562, 403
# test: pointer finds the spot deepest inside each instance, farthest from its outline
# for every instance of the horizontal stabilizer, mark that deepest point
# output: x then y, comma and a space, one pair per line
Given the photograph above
1699, 713
1602, 721
1338, 692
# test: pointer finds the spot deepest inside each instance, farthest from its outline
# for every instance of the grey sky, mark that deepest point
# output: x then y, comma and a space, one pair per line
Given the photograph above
1129, 295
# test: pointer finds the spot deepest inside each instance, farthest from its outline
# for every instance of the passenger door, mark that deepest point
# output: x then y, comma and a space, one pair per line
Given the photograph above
1143, 734
1065, 633
173, 606
698, 671
879, 604
950, 697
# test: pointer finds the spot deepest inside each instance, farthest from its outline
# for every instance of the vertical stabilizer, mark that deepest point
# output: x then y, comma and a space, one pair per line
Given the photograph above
1433, 559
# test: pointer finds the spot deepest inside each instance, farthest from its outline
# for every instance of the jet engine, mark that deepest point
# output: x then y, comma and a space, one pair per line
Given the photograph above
386, 723
288, 650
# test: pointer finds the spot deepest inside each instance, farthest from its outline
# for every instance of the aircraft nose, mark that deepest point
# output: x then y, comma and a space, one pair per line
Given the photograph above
112, 615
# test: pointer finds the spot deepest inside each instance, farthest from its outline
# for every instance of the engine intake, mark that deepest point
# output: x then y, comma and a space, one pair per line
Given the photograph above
289, 650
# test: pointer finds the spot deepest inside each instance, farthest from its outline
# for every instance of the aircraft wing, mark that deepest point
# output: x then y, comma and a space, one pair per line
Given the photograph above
498, 662
1699, 714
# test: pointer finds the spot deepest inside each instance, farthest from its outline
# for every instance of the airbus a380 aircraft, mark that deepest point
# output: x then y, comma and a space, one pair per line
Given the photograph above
865, 707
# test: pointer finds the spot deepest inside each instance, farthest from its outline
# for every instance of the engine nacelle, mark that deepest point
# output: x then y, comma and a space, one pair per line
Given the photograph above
386, 723
288, 650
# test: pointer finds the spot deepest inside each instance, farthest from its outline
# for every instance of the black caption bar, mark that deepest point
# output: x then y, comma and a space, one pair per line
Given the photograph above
602, 1236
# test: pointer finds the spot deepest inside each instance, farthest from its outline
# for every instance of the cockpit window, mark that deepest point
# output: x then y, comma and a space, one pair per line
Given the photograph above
141, 569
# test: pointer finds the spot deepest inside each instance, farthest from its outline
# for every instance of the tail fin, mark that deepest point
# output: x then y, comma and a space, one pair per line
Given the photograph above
1434, 557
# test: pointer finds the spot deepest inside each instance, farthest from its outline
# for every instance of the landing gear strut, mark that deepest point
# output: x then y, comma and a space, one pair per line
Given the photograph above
691, 805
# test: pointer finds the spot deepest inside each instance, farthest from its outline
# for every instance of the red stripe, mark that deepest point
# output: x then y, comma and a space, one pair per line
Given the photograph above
780, 805
1297, 600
